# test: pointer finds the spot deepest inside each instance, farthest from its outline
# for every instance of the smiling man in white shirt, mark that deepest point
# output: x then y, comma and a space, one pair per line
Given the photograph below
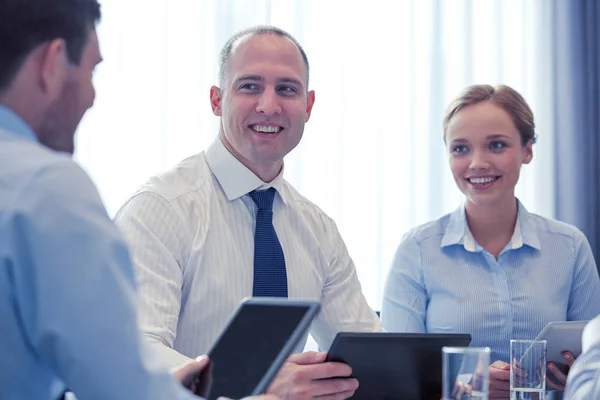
192, 229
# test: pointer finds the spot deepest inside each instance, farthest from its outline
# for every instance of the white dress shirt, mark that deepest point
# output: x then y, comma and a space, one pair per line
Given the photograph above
191, 234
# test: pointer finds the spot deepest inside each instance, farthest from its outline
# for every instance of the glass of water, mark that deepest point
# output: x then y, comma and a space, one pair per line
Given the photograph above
527, 369
465, 373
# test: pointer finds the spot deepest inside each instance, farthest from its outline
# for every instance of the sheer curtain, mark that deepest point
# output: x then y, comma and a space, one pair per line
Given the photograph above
383, 72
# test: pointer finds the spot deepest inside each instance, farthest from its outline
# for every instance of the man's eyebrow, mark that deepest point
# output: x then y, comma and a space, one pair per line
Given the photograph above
290, 80
249, 78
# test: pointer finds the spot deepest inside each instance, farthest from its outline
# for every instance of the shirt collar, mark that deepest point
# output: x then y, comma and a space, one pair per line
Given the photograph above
11, 122
458, 233
234, 177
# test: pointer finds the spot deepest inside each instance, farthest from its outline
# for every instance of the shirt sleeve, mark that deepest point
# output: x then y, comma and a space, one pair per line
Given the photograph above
583, 381
75, 292
584, 299
343, 305
158, 242
405, 298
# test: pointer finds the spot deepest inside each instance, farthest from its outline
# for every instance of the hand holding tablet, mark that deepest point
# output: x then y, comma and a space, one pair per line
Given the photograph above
253, 347
562, 336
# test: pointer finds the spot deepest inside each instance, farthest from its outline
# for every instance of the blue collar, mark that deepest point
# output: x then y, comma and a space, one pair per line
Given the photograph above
14, 124
458, 233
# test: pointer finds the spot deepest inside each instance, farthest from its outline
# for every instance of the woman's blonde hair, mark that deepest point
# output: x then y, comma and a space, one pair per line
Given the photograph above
504, 97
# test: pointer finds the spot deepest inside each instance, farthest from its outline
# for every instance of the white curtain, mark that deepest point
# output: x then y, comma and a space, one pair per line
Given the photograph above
372, 155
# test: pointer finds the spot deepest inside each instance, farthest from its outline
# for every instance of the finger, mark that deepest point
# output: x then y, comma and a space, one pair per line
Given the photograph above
558, 374
329, 387
499, 387
553, 385
337, 396
499, 375
500, 365
307, 358
202, 361
192, 367
500, 391
518, 372
324, 371
456, 389
569, 357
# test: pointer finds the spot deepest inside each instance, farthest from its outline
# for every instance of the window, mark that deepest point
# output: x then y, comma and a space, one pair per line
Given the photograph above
372, 155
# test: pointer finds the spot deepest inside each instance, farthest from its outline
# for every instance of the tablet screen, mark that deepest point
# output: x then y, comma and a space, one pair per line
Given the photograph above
258, 339
388, 365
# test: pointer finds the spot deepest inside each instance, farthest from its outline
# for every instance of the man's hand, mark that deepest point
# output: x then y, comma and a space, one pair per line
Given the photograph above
195, 375
307, 375
499, 380
264, 397
559, 373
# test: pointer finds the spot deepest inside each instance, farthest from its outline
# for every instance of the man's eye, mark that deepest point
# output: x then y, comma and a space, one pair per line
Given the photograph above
287, 89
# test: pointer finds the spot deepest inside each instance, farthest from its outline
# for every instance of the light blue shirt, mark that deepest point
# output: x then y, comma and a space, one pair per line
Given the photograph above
584, 378
67, 291
443, 281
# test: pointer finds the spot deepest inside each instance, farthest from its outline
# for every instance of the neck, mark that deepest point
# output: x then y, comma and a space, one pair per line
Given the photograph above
266, 171
492, 223
23, 106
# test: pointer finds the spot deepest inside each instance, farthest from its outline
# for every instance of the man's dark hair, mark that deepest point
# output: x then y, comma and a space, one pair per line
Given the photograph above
256, 30
25, 24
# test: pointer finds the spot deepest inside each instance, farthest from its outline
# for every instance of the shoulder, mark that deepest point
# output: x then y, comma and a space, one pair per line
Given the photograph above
53, 196
187, 176
553, 229
42, 176
432, 230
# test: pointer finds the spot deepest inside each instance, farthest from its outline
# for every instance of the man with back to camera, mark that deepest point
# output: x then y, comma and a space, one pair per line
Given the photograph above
66, 282
224, 224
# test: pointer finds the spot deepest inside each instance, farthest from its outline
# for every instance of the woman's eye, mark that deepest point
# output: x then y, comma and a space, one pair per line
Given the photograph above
497, 145
460, 149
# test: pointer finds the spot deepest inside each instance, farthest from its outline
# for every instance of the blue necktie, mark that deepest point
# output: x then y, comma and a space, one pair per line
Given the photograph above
270, 277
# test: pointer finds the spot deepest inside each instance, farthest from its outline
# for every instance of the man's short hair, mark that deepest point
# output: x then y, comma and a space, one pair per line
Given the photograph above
256, 30
25, 24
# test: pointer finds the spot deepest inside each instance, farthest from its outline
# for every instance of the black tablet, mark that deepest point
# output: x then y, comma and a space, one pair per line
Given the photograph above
395, 365
256, 342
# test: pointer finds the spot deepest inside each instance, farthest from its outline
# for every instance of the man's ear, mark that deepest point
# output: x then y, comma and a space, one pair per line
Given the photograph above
54, 68
310, 101
215, 101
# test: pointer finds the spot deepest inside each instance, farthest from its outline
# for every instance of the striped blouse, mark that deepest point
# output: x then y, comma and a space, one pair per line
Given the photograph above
443, 281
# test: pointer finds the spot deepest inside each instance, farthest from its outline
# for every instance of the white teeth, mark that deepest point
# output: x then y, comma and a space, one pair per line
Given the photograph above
266, 128
481, 180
